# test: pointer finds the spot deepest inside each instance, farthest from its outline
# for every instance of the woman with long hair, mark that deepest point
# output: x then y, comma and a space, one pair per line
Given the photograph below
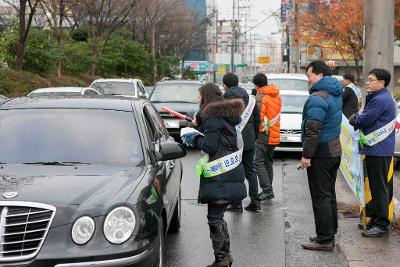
220, 169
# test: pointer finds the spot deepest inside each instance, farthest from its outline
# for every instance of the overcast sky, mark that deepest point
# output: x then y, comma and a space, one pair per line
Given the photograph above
260, 10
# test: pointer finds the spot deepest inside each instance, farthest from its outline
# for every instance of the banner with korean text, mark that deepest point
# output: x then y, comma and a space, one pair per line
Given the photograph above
351, 163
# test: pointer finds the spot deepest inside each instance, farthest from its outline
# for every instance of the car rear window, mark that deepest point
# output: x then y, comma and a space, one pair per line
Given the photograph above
290, 84
104, 137
114, 88
176, 92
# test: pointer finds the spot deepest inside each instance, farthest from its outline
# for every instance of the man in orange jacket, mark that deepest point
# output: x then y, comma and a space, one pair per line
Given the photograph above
269, 103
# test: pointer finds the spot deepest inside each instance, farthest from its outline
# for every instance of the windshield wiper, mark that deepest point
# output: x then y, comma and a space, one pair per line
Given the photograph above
57, 163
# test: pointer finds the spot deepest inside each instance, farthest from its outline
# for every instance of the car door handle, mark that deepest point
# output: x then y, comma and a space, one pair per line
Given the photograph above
171, 165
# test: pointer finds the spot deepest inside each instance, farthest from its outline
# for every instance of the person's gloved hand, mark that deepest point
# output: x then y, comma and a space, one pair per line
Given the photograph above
188, 135
352, 119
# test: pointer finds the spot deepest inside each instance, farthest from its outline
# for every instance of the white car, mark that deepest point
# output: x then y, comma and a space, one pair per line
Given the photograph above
63, 91
292, 109
120, 87
289, 81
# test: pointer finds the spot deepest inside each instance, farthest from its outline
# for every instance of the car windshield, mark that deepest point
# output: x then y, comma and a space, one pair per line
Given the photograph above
87, 136
176, 92
114, 88
293, 103
290, 84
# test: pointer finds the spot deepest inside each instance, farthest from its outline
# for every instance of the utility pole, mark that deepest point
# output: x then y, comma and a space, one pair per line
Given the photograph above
288, 48
232, 68
379, 37
296, 8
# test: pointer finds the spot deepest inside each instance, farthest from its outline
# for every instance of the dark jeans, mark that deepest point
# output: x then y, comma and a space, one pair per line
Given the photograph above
321, 181
215, 213
263, 166
250, 174
381, 187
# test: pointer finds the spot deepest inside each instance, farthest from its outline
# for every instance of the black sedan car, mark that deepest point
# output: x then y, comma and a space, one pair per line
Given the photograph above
86, 182
179, 95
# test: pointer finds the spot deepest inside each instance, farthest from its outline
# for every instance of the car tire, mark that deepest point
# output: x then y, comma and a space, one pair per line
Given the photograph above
159, 262
175, 224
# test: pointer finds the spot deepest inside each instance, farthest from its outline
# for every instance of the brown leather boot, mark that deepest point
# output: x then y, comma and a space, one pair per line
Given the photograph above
220, 247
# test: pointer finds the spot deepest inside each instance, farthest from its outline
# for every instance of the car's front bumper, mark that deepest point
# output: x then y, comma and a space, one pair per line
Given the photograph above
142, 259
145, 258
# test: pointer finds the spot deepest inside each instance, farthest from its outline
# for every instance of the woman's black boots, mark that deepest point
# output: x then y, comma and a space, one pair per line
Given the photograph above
220, 240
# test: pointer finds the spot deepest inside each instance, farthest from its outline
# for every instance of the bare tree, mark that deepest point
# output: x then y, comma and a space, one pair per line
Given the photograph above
166, 26
55, 11
26, 10
103, 17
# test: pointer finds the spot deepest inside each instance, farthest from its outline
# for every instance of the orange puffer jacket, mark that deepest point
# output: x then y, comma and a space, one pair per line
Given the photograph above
270, 104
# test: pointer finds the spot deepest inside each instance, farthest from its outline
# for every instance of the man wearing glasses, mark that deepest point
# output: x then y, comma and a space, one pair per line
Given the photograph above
377, 140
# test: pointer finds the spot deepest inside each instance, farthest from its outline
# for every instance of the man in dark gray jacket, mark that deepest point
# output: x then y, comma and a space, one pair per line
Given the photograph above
249, 133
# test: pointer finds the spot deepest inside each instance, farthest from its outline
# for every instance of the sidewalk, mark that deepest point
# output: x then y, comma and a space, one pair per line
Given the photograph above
358, 250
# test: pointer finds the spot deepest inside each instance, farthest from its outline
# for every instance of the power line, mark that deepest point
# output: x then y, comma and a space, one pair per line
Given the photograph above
261, 22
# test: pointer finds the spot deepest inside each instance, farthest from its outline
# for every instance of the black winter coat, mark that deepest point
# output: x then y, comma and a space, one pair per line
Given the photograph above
218, 126
250, 131
350, 102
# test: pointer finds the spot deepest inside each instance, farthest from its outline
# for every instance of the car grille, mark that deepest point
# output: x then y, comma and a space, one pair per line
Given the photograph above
290, 131
23, 228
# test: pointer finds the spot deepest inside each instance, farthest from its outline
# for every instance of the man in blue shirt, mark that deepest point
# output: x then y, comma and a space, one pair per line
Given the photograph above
376, 122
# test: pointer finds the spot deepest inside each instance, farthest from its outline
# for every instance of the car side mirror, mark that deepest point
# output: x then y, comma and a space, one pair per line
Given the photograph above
170, 150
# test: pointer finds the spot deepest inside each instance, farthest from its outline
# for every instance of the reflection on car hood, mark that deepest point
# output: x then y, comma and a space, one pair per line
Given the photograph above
188, 108
290, 121
89, 190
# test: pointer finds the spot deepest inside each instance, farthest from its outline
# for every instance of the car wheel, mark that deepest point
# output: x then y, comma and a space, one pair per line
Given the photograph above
160, 247
175, 224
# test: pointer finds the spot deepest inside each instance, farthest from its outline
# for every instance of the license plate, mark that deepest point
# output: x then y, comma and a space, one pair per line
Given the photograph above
286, 138
171, 123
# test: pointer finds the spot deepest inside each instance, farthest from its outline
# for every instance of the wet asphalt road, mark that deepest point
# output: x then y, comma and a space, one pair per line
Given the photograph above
268, 238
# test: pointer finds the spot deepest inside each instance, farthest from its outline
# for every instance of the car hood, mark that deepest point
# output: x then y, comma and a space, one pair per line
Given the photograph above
189, 108
74, 191
291, 121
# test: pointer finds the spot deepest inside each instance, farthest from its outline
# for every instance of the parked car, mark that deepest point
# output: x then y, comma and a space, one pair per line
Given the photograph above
148, 89
63, 91
3, 99
86, 182
289, 81
120, 87
292, 108
179, 95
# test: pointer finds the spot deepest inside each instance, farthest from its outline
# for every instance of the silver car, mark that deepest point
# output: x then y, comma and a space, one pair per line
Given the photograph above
63, 91
120, 87
292, 109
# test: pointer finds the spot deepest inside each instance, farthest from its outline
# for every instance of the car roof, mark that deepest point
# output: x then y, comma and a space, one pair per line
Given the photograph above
181, 81
78, 102
129, 80
294, 92
293, 76
58, 89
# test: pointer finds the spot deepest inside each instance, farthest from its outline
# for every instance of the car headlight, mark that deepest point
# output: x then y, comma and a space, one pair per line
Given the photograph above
119, 225
83, 230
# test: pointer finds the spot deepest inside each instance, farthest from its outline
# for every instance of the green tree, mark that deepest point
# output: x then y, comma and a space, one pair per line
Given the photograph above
40, 54
74, 50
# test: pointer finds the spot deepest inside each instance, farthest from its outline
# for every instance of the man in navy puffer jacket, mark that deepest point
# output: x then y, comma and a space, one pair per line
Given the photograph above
322, 116
379, 113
